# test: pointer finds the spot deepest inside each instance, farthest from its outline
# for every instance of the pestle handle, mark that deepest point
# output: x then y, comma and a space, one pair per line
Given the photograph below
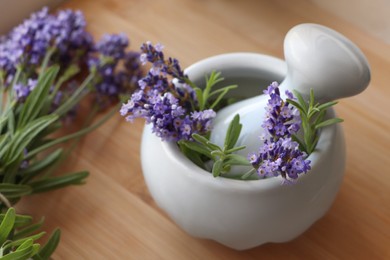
322, 59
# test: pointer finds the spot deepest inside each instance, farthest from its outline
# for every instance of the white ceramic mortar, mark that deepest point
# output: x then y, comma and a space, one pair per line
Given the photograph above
242, 214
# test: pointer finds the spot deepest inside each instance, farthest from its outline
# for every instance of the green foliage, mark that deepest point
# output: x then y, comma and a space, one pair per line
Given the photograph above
18, 236
208, 98
313, 119
202, 150
25, 138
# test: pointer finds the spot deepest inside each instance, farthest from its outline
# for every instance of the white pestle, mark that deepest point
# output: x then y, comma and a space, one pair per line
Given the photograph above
317, 58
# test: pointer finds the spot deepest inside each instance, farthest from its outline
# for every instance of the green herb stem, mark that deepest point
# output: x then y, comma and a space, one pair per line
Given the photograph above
74, 135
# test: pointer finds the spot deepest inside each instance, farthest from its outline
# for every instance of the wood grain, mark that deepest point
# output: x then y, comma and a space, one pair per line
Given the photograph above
113, 215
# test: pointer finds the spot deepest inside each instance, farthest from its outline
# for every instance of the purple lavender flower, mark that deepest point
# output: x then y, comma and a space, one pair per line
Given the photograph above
113, 45
170, 108
282, 118
118, 71
22, 91
69, 35
31, 39
154, 55
6, 64
279, 154
27, 44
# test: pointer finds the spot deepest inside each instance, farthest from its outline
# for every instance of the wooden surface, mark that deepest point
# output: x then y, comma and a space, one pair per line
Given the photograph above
114, 217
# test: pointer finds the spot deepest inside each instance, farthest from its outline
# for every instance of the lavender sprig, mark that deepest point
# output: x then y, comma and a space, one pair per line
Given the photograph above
62, 35
176, 110
279, 154
42, 80
117, 71
46, 39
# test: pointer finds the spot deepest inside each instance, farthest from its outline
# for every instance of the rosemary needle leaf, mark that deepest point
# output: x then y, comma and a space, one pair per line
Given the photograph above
7, 225
53, 183
329, 122
217, 168
51, 245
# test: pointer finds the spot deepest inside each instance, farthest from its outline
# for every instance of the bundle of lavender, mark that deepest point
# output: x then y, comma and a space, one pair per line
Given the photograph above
182, 112
50, 64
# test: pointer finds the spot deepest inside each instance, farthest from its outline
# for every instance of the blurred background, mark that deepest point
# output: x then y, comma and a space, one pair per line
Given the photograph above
370, 15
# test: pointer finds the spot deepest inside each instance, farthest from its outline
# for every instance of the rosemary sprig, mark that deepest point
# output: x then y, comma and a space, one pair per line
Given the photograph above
223, 158
18, 238
204, 96
313, 119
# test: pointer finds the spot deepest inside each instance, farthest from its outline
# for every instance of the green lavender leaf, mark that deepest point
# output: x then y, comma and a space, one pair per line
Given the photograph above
70, 71
311, 99
301, 100
23, 252
211, 81
57, 182
199, 96
297, 105
329, 122
200, 139
28, 230
76, 96
21, 241
51, 245
41, 165
197, 147
235, 149
20, 220
218, 154
11, 123
20, 244
248, 174
312, 117
78, 134
4, 145
320, 117
217, 168
327, 105
193, 155
34, 101
218, 91
233, 132
13, 191
235, 159
25, 135
223, 93
7, 224
204, 95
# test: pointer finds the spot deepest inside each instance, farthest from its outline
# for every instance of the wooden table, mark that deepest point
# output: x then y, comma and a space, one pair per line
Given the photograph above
114, 217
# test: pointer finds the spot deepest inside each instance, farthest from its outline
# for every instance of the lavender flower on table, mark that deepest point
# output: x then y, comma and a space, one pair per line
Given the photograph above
43, 80
61, 37
27, 44
22, 91
44, 40
70, 38
170, 108
31, 39
279, 154
117, 70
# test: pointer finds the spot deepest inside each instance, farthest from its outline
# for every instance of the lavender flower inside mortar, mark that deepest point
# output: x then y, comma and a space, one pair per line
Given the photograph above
171, 109
279, 154
183, 113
